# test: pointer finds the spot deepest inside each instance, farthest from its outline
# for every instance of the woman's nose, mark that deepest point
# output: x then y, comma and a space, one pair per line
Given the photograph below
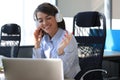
45, 22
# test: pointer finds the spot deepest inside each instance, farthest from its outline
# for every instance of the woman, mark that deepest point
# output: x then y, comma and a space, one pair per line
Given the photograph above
53, 41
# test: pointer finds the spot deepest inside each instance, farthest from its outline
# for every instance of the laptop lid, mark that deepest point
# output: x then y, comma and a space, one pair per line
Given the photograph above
33, 69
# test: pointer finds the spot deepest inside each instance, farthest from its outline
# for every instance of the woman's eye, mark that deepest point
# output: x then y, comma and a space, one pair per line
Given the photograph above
48, 18
40, 21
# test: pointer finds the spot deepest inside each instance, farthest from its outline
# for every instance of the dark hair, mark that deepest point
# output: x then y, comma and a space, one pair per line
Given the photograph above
49, 9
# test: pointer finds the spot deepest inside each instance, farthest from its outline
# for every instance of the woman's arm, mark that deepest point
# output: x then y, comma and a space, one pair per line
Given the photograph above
70, 58
38, 35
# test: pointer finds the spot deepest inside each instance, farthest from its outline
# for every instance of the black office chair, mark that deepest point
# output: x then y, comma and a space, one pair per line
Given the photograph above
89, 29
10, 40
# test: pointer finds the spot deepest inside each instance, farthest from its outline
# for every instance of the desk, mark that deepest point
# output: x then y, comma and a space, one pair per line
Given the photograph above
112, 56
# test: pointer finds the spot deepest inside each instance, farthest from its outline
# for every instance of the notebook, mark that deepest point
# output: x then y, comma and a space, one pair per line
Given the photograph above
33, 69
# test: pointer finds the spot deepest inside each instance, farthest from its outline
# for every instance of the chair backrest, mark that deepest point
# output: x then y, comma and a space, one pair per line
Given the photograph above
89, 29
10, 40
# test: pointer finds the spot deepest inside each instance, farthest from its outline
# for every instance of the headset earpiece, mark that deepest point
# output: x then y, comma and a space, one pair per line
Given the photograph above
58, 17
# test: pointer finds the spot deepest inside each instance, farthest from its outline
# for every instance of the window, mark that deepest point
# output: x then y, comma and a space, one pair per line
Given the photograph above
21, 12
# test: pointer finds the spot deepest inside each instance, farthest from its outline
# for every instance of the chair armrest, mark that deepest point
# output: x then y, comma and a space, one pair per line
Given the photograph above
93, 70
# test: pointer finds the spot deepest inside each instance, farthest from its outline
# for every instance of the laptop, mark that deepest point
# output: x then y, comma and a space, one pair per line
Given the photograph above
32, 69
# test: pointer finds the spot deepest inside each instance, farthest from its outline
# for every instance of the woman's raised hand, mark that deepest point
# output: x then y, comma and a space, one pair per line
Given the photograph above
38, 36
66, 40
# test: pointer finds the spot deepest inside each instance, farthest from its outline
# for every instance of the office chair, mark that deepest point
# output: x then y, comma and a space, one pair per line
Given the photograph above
10, 40
89, 29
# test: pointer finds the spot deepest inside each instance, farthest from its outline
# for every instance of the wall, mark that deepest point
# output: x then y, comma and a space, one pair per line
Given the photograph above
115, 9
70, 7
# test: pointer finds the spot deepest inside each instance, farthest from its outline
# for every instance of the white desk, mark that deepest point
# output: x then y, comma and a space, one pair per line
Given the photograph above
111, 53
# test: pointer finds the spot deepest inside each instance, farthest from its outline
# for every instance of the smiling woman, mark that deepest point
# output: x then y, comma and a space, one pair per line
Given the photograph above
24, 9
56, 41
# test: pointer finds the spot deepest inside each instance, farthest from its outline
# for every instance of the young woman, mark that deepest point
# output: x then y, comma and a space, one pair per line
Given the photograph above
53, 41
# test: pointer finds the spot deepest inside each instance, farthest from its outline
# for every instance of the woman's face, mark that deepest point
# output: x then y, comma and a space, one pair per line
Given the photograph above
47, 23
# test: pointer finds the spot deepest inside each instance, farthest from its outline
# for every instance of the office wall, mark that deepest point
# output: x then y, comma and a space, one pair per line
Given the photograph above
115, 9
70, 7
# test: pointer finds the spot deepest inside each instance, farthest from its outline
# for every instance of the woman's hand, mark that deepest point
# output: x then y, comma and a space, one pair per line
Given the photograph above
38, 36
66, 40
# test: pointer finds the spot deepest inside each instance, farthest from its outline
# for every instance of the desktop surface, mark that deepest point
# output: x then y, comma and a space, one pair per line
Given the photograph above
112, 56
108, 53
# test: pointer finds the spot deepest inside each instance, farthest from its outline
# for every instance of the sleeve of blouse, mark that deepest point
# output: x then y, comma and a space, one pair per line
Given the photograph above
70, 54
38, 53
